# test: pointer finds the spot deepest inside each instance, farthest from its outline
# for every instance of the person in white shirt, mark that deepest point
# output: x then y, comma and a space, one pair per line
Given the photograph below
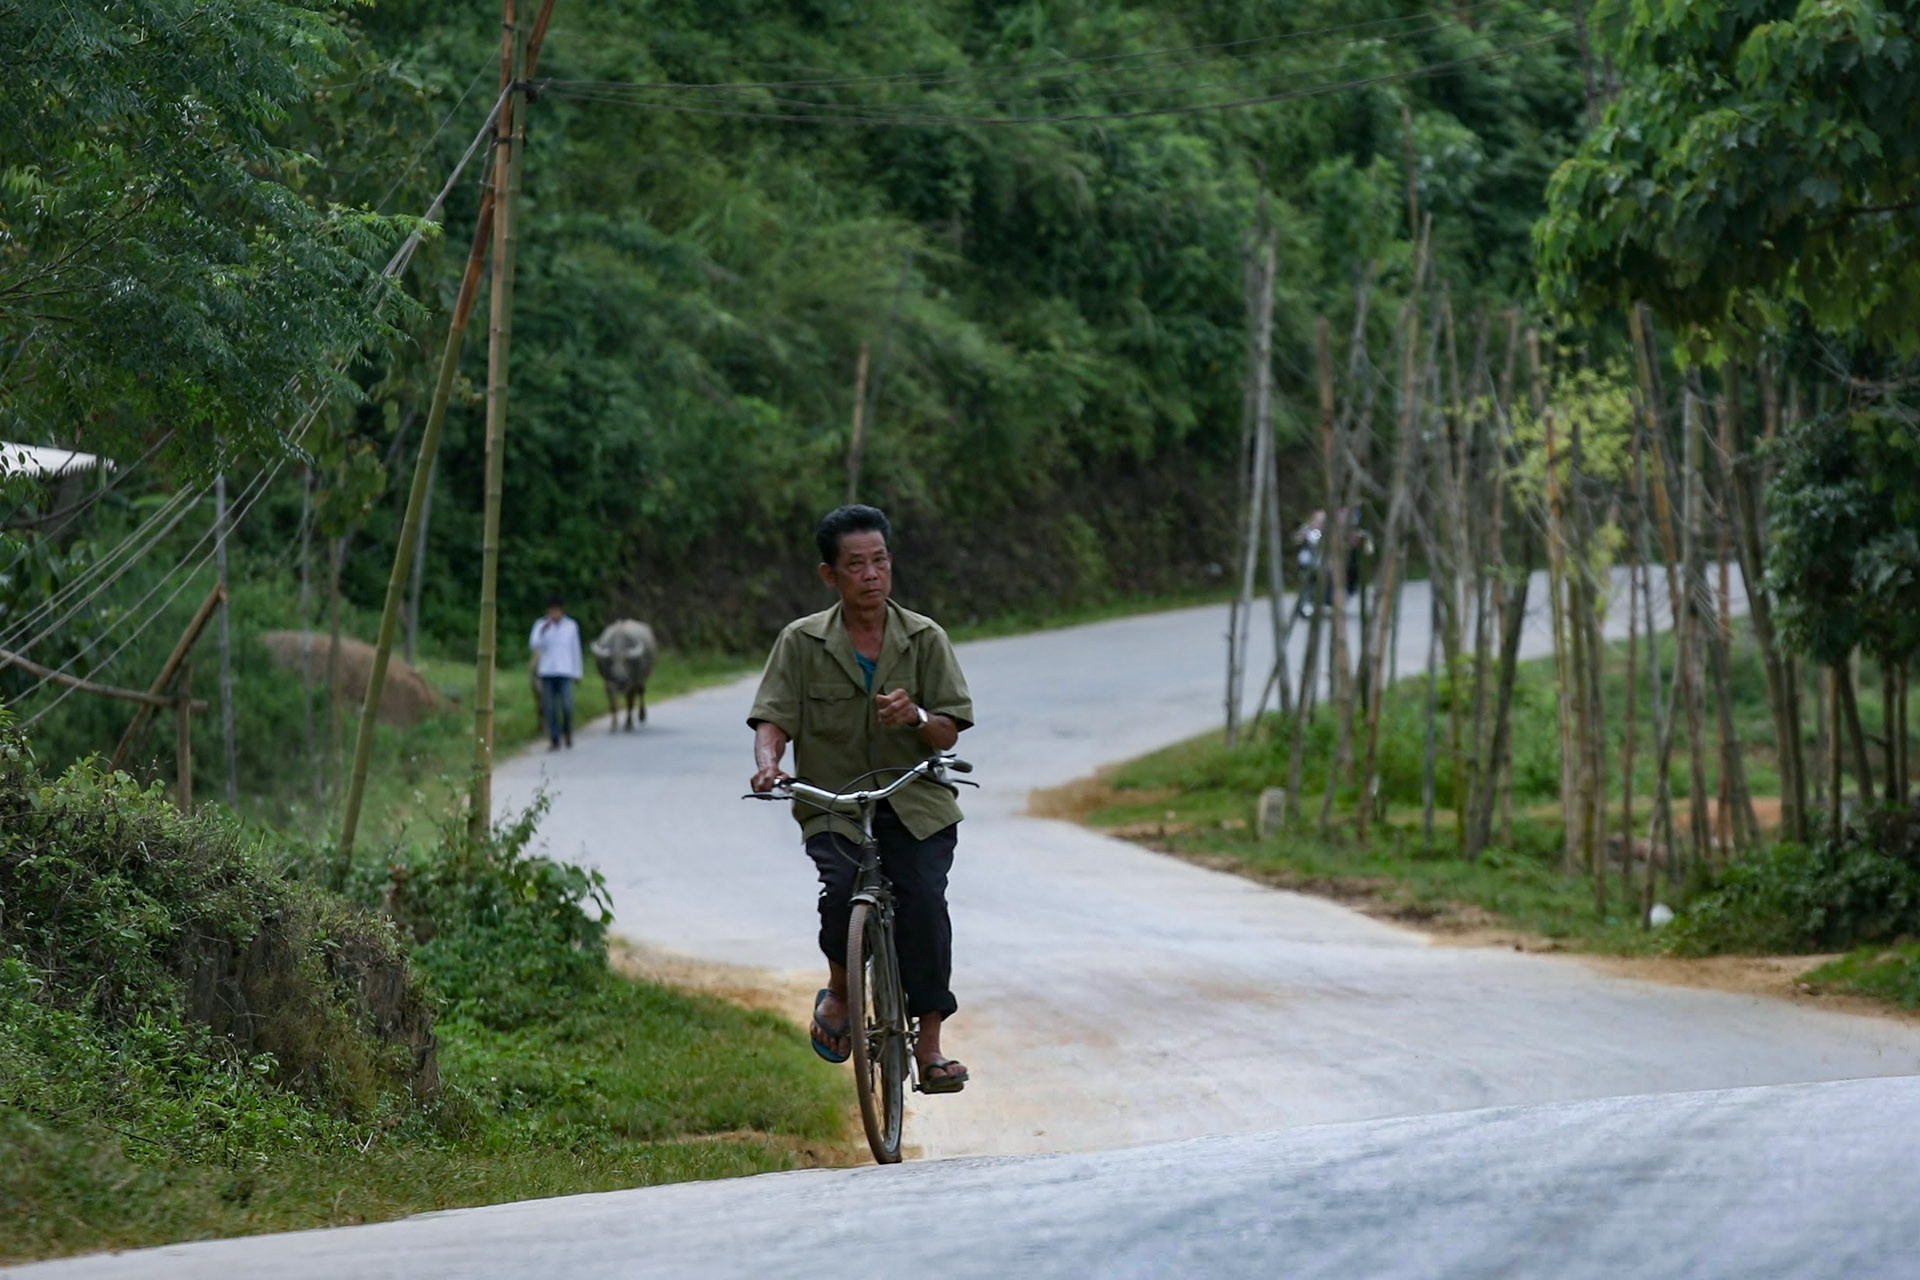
556, 639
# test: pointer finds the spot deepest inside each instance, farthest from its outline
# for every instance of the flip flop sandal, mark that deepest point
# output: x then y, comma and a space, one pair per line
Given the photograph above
832, 1033
947, 1083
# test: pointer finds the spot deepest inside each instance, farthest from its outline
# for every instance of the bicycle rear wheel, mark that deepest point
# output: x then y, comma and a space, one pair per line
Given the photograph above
879, 1012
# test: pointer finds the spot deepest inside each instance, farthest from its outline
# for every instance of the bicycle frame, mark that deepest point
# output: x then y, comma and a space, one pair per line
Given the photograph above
871, 885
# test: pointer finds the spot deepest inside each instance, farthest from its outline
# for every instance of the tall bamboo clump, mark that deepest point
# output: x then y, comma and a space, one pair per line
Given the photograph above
1506, 467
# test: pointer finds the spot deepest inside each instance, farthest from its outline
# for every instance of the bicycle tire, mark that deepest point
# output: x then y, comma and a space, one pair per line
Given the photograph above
877, 1010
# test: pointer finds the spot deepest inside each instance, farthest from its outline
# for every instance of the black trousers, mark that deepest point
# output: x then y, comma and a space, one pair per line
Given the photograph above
922, 929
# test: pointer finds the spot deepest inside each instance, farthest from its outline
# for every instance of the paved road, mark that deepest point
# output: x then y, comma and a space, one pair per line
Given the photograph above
1112, 998
1793, 1181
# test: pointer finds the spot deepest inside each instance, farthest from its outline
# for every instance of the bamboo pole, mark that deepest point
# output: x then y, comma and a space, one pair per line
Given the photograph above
168, 669
1350, 441
1260, 404
512, 131
336, 557
412, 539
1783, 698
1480, 830
1281, 617
1237, 618
1374, 654
1556, 604
1629, 728
306, 632
1856, 736
857, 440
1835, 783
183, 738
32, 668
228, 742
1427, 762
417, 574
1679, 606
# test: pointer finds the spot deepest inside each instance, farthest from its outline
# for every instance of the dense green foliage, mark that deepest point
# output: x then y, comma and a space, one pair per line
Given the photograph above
1762, 154
193, 1040
1844, 511
1054, 310
161, 979
1860, 887
507, 934
159, 270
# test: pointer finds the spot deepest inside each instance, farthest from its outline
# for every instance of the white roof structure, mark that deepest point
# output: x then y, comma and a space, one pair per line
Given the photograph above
40, 460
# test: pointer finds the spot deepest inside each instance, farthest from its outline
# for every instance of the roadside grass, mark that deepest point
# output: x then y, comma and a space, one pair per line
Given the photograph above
71, 1191
417, 772
632, 1085
1197, 799
447, 1032
1891, 974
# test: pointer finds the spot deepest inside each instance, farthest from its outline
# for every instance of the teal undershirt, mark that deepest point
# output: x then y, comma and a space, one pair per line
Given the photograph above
868, 665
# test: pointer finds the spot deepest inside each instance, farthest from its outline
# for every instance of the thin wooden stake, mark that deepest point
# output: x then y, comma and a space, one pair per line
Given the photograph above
228, 742
512, 133
183, 738
857, 440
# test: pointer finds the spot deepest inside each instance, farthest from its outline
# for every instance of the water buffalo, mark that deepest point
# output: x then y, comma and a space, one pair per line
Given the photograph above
624, 653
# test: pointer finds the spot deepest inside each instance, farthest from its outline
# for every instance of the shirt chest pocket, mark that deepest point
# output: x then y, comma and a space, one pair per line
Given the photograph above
835, 706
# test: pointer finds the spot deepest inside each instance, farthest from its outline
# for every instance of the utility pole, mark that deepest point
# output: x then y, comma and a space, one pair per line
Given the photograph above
226, 640
512, 131
1260, 278
517, 61
857, 441
419, 564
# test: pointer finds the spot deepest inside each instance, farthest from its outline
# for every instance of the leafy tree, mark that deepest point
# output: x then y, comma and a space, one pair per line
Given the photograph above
1844, 510
159, 270
1761, 153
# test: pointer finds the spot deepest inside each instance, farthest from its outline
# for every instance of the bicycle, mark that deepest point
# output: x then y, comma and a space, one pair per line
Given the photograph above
883, 1034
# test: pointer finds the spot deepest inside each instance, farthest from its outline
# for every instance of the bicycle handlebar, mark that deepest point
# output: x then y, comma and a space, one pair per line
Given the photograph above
932, 768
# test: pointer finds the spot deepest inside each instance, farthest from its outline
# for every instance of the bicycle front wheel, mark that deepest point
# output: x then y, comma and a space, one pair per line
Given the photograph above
879, 1011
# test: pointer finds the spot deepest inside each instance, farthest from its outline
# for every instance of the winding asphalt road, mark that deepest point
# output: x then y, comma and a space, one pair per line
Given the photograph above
1224, 1079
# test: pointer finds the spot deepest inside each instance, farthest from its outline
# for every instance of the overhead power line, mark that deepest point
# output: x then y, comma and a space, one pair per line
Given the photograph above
885, 119
182, 501
1089, 62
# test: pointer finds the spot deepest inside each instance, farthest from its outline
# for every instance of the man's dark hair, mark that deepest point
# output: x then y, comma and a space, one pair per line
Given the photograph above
556, 601
852, 518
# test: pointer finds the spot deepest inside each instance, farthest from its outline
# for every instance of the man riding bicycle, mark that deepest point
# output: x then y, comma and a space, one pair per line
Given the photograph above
861, 687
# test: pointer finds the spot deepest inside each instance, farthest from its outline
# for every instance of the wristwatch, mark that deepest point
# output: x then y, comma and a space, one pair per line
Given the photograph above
923, 716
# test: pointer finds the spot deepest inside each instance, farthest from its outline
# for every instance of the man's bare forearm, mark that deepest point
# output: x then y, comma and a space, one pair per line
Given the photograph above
939, 732
769, 745
769, 748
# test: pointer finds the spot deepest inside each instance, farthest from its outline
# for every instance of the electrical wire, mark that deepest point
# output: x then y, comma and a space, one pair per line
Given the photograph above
903, 120
754, 92
1024, 71
445, 120
168, 513
249, 493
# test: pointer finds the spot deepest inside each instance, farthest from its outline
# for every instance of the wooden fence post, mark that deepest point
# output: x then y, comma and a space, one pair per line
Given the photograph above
183, 737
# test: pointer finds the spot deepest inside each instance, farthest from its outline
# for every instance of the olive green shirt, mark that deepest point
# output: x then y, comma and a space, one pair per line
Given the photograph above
814, 690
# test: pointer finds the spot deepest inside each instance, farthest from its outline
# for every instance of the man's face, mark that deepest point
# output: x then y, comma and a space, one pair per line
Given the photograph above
863, 573
555, 612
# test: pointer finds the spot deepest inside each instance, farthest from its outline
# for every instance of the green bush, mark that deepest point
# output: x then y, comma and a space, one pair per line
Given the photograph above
507, 936
1862, 887
157, 976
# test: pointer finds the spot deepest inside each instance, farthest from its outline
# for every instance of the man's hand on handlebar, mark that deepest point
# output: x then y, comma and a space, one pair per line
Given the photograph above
769, 747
